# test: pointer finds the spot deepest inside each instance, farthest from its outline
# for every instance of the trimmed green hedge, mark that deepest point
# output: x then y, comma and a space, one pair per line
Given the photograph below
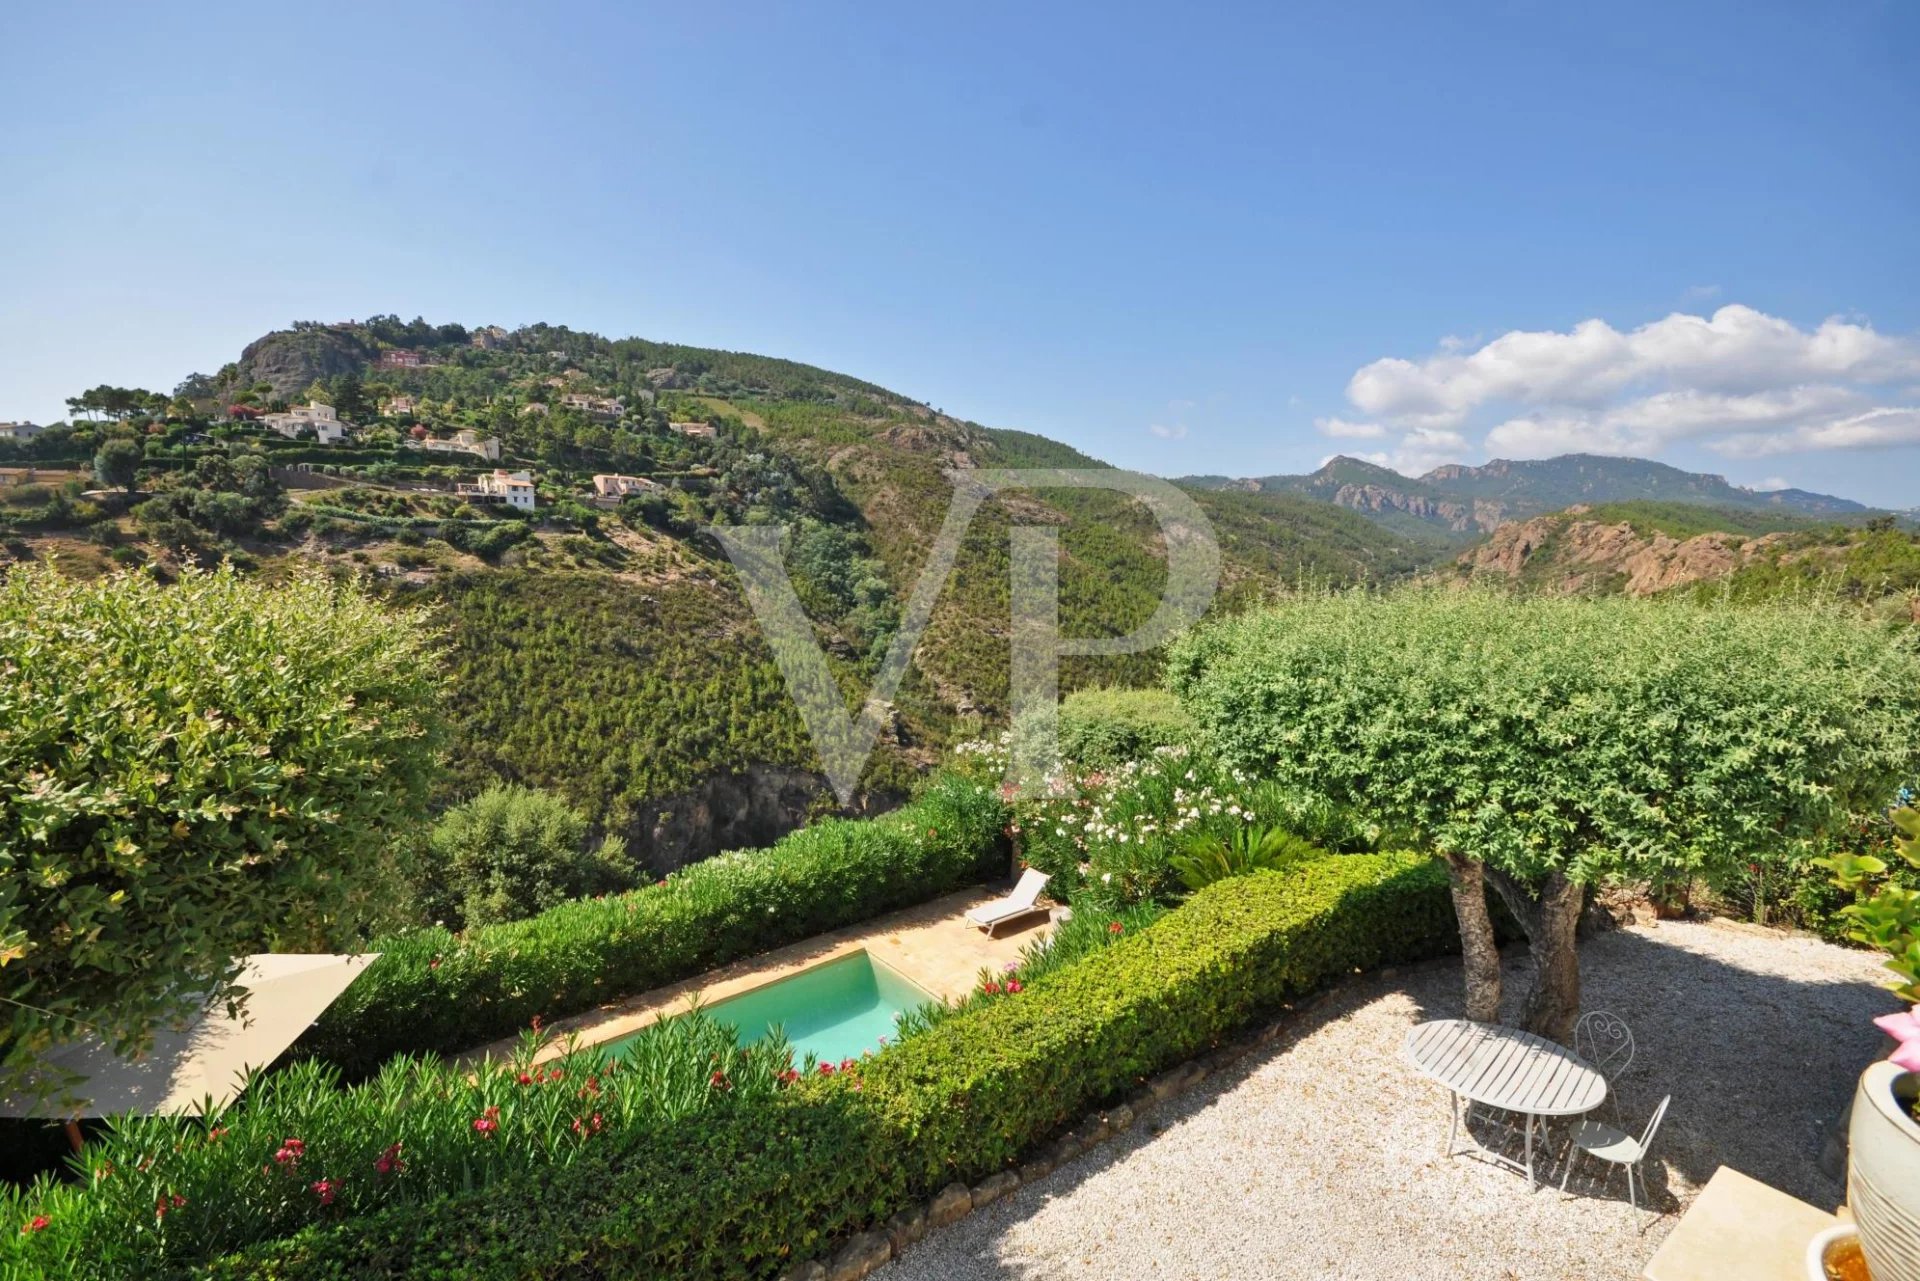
433, 991
740, 1193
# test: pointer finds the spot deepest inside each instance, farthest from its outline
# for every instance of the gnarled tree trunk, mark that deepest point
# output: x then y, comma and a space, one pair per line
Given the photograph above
1550, 914
1480, 955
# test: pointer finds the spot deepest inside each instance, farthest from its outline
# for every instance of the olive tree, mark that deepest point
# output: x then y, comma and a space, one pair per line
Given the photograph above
1545, 744
188, 773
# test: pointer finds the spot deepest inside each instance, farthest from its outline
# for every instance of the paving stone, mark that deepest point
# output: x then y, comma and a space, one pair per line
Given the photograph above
954, 1202
857, 1257
991, 1190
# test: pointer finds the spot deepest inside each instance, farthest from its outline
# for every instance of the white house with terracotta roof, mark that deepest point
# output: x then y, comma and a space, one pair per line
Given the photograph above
464, 441
594, 406
515, 489
608, 490
314, 416
694, 429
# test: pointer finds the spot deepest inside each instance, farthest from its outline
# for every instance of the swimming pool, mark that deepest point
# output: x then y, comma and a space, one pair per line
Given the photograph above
834, 1011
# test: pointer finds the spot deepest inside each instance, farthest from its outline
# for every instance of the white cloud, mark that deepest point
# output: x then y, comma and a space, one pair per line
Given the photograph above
1771, 484
1738, 381
1883, 428
1342, 429
1175, 431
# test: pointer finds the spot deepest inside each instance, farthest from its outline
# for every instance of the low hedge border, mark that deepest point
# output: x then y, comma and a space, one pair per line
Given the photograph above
434, 991
747, 1192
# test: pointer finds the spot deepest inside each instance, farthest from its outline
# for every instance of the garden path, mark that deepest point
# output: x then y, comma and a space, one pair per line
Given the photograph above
1318, 1155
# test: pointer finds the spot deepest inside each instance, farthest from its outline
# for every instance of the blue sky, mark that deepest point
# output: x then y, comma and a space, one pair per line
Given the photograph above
1173, 237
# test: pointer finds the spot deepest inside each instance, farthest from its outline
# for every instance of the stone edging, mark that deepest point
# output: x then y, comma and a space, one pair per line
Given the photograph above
865, 1251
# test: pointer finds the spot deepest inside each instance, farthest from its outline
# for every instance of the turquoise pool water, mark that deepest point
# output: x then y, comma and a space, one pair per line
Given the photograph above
834, 1011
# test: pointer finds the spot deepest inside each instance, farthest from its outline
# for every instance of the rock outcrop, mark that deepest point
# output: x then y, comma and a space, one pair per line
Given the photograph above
746, 810
1576, 555
292, 359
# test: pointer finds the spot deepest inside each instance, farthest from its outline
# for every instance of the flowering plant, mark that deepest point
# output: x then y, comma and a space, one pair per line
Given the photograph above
1105, 836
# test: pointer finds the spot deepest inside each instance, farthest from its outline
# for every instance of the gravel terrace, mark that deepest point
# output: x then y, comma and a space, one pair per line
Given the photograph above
1318, 1155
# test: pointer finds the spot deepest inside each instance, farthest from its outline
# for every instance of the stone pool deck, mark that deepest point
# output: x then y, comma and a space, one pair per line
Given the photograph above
932, 944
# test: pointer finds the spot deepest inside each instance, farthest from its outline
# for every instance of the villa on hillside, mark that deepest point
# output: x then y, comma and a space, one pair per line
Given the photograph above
401, 358
515, 489
595, 406
395, 406
609, 490
321, 419
464, 441
694, 429
20, 431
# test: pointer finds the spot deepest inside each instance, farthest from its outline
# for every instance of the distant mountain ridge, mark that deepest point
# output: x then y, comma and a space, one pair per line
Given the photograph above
1468, 501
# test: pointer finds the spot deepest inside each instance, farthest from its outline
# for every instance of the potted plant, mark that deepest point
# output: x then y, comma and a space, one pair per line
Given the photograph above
1883, 1164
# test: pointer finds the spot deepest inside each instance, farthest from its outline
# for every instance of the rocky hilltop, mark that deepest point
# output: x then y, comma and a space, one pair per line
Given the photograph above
293, 360
1567, 554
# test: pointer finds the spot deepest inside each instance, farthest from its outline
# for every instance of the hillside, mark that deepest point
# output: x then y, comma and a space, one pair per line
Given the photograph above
602, 648
1466, 501
1647, 549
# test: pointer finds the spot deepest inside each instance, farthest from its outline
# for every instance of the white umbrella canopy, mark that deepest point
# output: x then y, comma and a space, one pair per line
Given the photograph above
210, 1058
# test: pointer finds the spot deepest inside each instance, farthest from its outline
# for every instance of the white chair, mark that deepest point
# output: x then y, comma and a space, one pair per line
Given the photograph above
1605, 1042
1022, 902
1614, 1147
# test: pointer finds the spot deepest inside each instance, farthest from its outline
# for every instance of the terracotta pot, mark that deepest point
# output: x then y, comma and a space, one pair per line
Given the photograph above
1883, 1172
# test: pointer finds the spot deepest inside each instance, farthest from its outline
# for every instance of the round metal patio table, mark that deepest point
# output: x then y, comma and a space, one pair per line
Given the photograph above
1505, 1068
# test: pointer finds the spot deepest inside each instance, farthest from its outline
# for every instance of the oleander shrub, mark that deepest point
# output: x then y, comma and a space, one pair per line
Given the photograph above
741, 1193
1106, 837
300, 1149
435, 991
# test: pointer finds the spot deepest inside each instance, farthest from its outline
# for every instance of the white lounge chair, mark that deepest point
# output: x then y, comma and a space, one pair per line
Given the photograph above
1022, 902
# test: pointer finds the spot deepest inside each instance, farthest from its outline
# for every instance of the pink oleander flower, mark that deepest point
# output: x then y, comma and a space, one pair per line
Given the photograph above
324, 1189
35, 1224
1904, 1028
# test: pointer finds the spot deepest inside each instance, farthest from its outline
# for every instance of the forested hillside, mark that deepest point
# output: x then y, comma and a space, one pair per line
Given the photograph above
603, 649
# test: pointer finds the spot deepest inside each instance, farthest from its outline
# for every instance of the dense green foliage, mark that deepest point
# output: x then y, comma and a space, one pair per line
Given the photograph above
513, 852
611, 696
116, 464
192, 773
1689, 520
301, 1149
742, 1192
433, 991
1103, 727
1586, 736
1884, 913
1879, 563
1548, 743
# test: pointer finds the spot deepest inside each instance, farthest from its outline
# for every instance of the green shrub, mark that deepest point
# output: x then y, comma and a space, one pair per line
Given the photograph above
1103, 727
192, 773
513, 852
434, 991
742, 1193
